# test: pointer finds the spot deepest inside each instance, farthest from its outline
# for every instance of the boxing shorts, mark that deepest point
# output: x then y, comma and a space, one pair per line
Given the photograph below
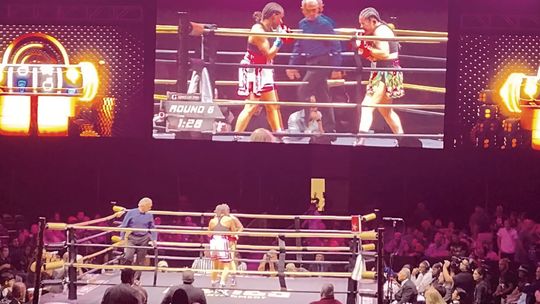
392, 80
255, 80
220, 248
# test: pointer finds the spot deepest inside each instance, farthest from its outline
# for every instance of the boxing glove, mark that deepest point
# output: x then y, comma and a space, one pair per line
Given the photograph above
278, 42
285, 29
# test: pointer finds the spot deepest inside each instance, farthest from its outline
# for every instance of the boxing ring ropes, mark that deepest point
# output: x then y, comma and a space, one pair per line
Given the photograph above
184, 64
75, 264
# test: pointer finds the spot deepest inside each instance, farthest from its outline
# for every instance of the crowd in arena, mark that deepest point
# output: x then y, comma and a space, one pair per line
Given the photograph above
493, 259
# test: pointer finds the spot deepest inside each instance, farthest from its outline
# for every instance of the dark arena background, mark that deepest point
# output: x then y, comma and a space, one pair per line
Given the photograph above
85, 138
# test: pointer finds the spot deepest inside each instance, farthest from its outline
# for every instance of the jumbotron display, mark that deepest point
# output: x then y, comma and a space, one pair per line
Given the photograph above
63, 79
328, 73
498, 86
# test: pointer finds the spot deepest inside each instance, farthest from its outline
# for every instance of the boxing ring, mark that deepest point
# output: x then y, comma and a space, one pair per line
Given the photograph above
88, 276
209, 55
253, 289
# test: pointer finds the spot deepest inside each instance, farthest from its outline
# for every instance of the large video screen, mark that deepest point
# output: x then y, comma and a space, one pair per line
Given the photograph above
75, 69
498, 86
368, 73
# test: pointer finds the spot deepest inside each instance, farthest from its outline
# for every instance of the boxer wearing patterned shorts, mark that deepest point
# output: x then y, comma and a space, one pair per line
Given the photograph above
383, 86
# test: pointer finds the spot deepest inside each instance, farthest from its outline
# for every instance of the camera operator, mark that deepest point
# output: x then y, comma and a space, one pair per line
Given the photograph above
458, 274
269, 261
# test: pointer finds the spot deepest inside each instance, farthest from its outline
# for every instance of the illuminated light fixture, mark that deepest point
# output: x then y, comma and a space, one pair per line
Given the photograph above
536, 129
16, 44
14, 114
519, 95
54, 113
531, 85
106, 115
90, 81
25, 59
531, 89
46, 69
25, 48
72, 75
22, 72
510, 92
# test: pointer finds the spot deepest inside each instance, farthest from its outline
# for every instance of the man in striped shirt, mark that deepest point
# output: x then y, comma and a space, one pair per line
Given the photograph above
203, 262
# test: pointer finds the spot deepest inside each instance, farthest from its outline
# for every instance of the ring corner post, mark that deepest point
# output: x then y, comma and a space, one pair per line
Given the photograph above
380, 263
352, 287
209, 46
281, 262
298, 240
39, 259
72, 270
378, 218
156, 265
184, 28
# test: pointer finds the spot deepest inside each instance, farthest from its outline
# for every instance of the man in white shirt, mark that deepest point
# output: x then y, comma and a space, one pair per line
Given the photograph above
299, 122
203, 263
507, 238
422, 277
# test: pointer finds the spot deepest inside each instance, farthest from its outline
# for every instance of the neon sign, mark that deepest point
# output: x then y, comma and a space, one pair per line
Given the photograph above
520, 96
38, 79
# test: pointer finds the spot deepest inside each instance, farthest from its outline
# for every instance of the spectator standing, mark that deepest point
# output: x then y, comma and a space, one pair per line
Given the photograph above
507, 238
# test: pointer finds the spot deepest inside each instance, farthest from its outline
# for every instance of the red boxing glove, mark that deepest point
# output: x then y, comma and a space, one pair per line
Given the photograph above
285, 29
363, 48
